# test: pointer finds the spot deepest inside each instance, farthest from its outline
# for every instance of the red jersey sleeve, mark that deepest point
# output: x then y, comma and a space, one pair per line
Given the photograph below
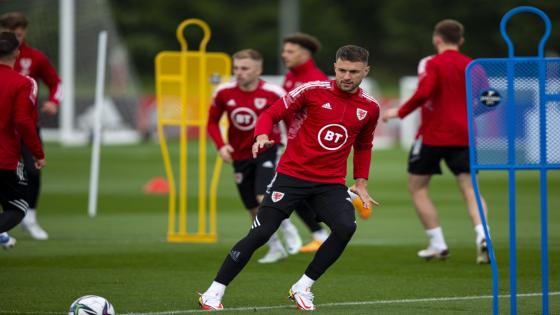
283, 107
363, 146
48, 74
25, 119
214, 114
426, 86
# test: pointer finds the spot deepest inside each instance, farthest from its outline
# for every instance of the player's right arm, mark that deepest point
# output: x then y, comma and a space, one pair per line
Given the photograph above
283, 107
26, 121
213, 127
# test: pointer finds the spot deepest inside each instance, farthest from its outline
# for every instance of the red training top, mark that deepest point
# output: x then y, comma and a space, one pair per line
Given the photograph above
242, 109
444, 122
336, 121
18, 118
32, 62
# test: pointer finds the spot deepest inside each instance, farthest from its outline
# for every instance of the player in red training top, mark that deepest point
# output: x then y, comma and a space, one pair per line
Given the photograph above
18, 119
33, 63
340, 116
243, 101
443, 134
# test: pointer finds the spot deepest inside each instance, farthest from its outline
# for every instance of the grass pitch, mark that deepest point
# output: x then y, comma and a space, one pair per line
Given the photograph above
122, 254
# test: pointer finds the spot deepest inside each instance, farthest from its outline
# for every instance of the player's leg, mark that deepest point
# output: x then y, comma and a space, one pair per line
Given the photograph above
13, 188
308, 216
277, 204
336, 210
423, 162
245, 178
265, 169
457, 159
30, 223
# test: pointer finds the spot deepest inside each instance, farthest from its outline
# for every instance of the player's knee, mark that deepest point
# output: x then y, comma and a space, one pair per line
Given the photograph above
344, 229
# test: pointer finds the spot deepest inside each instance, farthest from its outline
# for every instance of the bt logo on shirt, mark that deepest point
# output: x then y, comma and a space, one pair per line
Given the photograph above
332, 137
243, 118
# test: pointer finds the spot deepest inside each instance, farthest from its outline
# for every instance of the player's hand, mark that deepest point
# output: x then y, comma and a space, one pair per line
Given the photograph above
261, 142
49, 107
225, 153
390, 114
39, 164
360, 189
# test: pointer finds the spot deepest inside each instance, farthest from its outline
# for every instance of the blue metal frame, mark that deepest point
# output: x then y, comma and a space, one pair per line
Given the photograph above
511, 165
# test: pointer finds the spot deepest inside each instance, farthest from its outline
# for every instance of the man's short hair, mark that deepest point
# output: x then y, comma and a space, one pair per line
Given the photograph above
13, 20
311, 43
8, 43
353, 53
450, 31
248, 54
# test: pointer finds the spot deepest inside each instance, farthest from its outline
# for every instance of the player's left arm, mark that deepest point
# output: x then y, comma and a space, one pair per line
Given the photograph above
362, 158
48, 74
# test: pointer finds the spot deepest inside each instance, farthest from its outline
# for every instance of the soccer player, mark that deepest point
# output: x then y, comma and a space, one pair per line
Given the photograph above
244, 100
32, 62
18, 118
340, 115
443, 135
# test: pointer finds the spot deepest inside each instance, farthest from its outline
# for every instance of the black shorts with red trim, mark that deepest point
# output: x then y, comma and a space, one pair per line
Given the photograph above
252, 176
329, 201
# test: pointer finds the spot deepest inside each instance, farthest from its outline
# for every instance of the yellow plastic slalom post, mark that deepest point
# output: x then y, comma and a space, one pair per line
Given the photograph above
185, 81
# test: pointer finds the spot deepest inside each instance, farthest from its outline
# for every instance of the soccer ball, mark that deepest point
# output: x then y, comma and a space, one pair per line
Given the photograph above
91, 305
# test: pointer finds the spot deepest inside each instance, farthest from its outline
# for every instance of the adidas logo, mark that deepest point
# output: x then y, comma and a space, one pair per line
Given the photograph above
234, 254
231, 102
327, 106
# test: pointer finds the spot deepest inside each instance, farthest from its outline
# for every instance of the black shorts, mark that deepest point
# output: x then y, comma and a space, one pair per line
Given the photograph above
328, 201
425, 159
13, 189
252, 176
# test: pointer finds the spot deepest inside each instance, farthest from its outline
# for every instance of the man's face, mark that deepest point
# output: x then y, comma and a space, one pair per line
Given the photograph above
294, 55
349, 74
246, 71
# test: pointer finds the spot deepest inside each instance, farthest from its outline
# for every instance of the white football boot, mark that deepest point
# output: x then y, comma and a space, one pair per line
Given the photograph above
30, 225
274, 254
302, 297
291, 236
210, 302
482, 256
434, 253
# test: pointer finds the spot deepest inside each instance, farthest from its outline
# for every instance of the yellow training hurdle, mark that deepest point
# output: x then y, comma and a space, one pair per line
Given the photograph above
185, 81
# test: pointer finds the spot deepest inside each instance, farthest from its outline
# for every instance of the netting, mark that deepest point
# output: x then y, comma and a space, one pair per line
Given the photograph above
497, 110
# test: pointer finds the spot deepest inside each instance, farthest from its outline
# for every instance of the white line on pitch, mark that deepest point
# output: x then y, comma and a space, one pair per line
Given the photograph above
262, 308
440, 299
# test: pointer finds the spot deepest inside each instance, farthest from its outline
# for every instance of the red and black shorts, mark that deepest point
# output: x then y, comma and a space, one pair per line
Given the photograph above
252, 176
425, 159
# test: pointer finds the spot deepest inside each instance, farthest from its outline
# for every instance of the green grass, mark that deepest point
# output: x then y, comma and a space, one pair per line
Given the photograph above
122, 254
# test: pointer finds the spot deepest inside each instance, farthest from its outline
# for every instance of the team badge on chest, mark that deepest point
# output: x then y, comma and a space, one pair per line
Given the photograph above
277, 196
260, 102
361, 113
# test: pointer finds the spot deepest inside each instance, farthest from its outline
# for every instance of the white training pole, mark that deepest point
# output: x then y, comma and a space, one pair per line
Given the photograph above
96, 143
66, 60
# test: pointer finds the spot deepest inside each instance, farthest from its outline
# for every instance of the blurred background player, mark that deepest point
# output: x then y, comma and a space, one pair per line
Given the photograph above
243, 100
18, 118
33, 63
312, 168
443, 134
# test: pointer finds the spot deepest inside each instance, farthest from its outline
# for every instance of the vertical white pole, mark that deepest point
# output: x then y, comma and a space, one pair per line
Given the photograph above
66, 62
96, 145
